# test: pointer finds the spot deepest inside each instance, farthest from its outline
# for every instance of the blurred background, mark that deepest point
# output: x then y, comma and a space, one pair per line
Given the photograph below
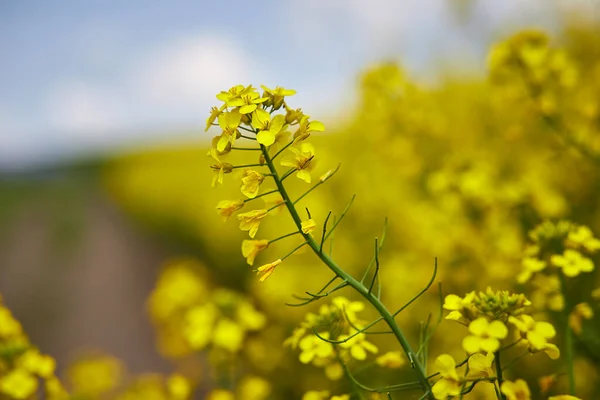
104, 179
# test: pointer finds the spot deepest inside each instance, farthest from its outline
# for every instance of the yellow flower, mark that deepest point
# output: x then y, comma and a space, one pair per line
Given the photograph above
391, 359
583, 236
268, 129
178, 387
480, 366
220, 394
233, 93
94, 375
220, 168
341, 397
301, 161
251, 183
228, 335
517, 390
449, 384
530, 265
314, 348
250, 248
308, 226
18, 384
276, 96
229, 122
358, 346
227, 207
580, 312
9, 326
305, 128
316, 395
536, 333
266, 270
249, 318
254, 388
457, 306
572, 263
198, 325
247, 102
293, 116
485, 336
251, 220
563, 397
36, 363
348, 308
214, 113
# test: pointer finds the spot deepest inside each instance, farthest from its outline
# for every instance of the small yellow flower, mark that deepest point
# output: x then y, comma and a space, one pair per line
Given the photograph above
302, 161
276, 95
234, 93
531, 265
391, 359
341, 397
228, 335
214, 113
178, 387
18, 384
536, 333
449, 384
316, 395
247, 102
226, 208
308, 226
563, 397
480, 366
251, 183
485, 336
266, 270
36, 363
250, 221
250, 249
572, 263
584, 237
268, 129
293, 116
305, 128
220, 394
358, 346
314, 348
517, 390
229, 122
580, 312
220, 168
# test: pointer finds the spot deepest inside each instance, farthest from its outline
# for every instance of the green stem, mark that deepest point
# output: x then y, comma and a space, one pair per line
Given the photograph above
283, 237
258, 196
355, 284
499, 378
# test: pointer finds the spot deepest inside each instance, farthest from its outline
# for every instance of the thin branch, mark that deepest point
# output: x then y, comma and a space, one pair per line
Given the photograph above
376, 265
316, 185
421, 292
341, 217
383, 234
324, 231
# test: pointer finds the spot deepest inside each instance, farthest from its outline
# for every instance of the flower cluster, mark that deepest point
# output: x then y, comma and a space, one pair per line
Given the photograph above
23, 368
189, 316
558, 247
247, 115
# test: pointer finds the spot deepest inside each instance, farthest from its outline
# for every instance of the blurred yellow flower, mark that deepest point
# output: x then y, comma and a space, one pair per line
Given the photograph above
266, 270
580, 312
253, 388
531, 265
9, 326
358, 346
517, 390
36, 363
220, 394
391, 359
250, 221
94, 375
314, 348
572, 263
178, 387
226, 208
316, 395
18, 384
228, 335
485, 336
584, 237
198, 325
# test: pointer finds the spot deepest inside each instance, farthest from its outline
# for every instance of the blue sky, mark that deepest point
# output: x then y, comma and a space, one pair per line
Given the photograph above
80, 77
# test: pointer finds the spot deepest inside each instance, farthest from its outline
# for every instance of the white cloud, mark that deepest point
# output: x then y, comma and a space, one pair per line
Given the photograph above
169, 87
